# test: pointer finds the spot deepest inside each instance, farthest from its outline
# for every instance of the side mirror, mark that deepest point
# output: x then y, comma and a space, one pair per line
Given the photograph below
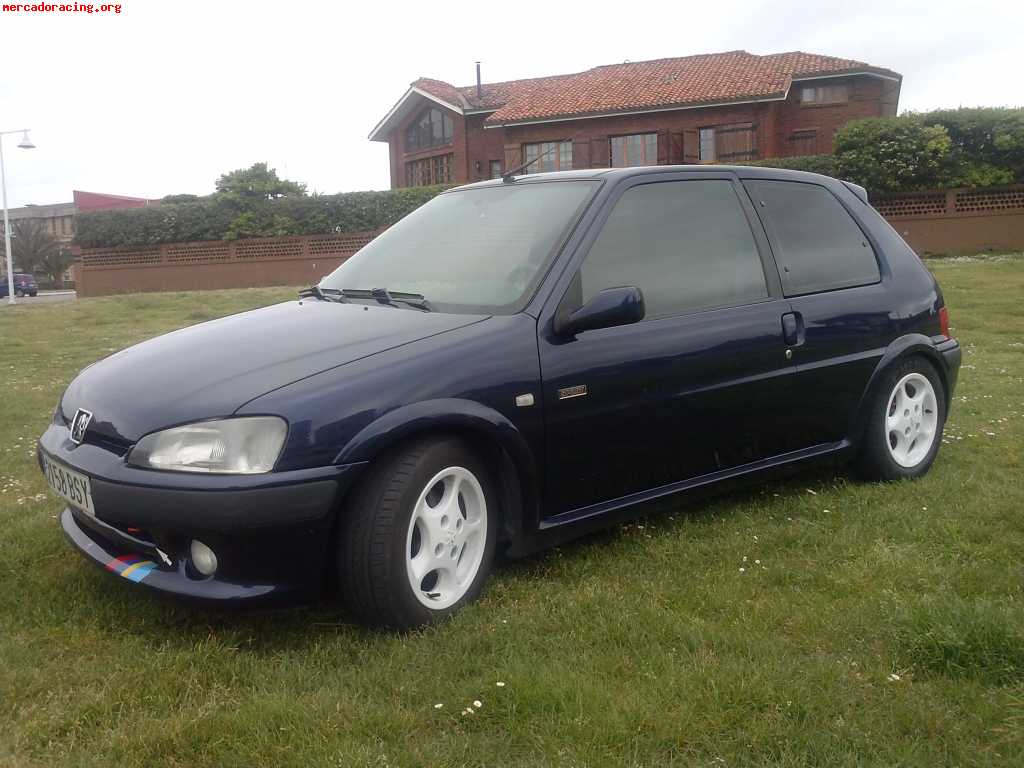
609, 308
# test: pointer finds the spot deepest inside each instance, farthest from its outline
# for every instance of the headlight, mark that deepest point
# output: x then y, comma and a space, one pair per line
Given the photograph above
243, 446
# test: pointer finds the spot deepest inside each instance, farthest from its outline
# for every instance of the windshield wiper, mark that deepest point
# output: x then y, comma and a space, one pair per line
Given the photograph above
323, 294
390, 298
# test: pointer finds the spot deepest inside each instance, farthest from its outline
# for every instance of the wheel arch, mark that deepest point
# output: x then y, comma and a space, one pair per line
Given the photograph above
910, 345
488, 430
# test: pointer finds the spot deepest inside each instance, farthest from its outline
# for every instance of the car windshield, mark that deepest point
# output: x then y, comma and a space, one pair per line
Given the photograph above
481, 249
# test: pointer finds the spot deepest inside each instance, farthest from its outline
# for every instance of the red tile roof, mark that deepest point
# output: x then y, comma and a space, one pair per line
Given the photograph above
686, 81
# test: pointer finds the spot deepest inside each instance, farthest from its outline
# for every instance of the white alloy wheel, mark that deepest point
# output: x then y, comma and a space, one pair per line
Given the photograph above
447, 538
911, 420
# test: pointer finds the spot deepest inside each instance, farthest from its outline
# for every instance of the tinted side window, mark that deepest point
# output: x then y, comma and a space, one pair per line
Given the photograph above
819, 247
686, 244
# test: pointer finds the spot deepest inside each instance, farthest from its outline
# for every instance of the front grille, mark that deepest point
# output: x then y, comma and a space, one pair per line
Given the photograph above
114, 445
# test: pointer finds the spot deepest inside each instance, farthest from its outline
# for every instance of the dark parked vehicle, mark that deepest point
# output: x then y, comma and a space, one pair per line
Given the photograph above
513, 364
24, 285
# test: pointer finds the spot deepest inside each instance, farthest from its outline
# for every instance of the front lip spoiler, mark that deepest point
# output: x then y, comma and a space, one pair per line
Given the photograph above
124, 540
161, 578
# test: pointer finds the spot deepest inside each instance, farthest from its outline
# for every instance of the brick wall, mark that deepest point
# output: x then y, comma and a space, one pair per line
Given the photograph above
958, 220
482, 146
213, 264
794, 120
591, 147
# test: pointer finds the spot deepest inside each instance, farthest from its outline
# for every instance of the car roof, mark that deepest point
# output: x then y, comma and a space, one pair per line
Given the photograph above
614, 174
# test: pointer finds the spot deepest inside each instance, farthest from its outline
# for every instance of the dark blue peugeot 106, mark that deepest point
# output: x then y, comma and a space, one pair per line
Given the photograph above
513, 364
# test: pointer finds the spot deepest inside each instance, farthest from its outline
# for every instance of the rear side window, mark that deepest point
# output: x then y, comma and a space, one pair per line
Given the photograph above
686, 244
819, 247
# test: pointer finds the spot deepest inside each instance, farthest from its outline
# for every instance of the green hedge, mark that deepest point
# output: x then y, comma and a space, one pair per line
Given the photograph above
929, 150
987, 144
824, 164
893, 154
218, 218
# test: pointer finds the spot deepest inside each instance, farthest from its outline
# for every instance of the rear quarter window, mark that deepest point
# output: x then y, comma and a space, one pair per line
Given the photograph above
818, 246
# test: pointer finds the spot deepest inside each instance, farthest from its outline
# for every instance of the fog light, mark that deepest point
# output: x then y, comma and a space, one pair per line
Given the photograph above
203, 558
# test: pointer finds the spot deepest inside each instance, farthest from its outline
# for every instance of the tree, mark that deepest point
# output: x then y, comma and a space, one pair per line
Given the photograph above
55, 264
183, 198
32, 244
257, 184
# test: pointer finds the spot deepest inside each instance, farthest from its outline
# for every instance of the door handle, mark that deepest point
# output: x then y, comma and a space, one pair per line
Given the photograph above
793, 329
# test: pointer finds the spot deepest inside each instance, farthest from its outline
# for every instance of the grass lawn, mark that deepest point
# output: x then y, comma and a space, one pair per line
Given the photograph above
816, 621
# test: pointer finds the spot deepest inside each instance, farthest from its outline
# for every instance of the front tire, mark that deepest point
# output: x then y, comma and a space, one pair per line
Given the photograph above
906, 418
417, 538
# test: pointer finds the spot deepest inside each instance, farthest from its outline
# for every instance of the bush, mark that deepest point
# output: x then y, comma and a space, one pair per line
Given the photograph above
823, 164
933, 150
893, 154
988, 143
221, 218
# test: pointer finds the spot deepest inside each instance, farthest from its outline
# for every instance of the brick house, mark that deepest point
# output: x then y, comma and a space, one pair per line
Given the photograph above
720, 107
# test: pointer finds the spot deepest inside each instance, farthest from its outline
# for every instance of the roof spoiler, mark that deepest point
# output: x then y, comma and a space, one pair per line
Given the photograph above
858, 190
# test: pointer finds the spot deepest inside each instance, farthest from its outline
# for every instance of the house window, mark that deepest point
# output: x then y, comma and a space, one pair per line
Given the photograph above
636, 149
549, 156
825, 94
707, 145
728, 143
433, 128
429, 170
803, 141
495, 169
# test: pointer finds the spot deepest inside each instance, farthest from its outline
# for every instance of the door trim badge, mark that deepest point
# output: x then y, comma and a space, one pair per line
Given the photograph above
566, 393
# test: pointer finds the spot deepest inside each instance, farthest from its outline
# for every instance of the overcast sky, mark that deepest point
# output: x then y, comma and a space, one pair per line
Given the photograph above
165, 96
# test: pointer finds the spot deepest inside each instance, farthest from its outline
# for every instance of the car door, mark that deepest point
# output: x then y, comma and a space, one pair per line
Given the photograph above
832, 279
700, 385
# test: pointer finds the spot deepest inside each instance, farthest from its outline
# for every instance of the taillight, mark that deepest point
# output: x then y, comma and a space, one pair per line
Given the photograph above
944, 322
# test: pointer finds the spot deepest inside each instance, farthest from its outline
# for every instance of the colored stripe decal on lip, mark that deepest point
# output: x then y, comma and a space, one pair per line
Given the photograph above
138, 571
131, 567
118, 564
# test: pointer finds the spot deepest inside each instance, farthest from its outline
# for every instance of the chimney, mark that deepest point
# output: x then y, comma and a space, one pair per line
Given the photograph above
479, 87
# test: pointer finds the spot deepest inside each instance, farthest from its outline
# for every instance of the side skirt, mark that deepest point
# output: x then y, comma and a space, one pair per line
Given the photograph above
606, 507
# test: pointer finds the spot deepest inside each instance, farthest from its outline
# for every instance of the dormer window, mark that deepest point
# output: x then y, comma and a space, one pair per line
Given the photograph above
433, 128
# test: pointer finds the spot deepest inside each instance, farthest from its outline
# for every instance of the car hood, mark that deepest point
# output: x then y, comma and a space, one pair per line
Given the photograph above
213, 368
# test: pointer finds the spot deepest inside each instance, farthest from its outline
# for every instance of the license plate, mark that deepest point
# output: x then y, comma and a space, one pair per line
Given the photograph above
72, 486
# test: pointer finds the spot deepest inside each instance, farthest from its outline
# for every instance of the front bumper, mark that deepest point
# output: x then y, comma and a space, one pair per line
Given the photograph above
271, 533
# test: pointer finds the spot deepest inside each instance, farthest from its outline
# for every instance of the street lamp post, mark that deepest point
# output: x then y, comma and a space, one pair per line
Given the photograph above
25, 143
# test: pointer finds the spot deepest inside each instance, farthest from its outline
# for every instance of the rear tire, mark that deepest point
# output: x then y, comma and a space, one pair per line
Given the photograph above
417, 538
906, 417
